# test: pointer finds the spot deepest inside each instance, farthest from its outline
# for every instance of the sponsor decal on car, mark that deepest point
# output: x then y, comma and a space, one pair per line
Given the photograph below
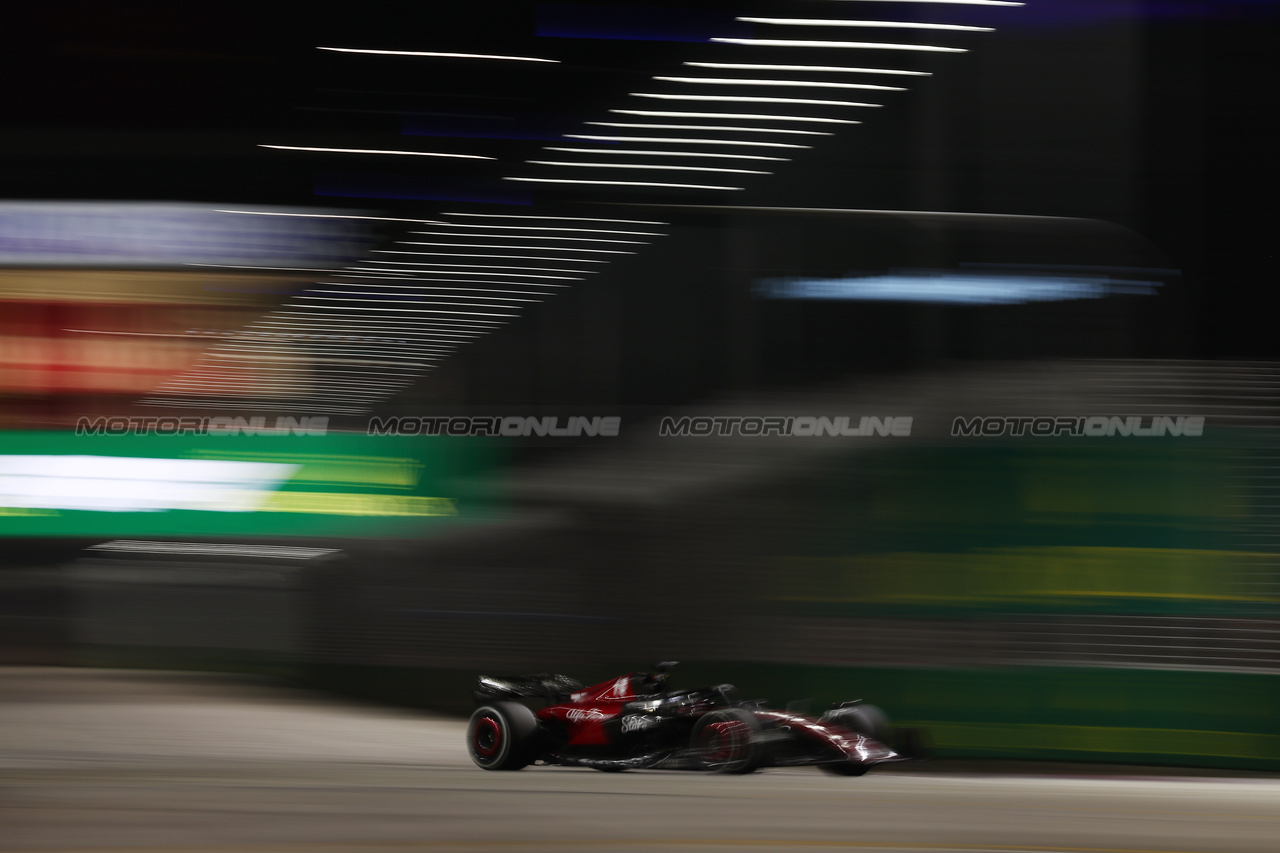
637, 722
585, 715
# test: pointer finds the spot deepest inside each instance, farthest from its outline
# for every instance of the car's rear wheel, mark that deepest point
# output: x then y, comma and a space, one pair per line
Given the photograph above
502, 736
727, 741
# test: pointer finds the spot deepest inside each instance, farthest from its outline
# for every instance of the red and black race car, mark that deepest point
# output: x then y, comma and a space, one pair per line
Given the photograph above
636, 722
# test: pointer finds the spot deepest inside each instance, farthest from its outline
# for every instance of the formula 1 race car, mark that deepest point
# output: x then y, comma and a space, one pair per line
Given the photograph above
635, 722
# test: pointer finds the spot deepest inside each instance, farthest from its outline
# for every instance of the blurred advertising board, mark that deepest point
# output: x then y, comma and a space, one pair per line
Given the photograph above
273, 483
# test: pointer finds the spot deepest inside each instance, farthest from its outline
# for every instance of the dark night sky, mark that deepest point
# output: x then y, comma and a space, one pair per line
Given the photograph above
1154, 115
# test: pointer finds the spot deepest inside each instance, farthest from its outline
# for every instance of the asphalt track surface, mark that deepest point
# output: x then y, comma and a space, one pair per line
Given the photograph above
98, 760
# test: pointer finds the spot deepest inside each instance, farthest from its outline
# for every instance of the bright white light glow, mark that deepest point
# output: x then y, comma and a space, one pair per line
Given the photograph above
840, 69
623, 183
863, 45
893, 25
738, 116
640, 153
954, 288
648, 166
811, 84
750, 99
751, 143
564, 218
436, 53
376, 151
137, 484
643, 125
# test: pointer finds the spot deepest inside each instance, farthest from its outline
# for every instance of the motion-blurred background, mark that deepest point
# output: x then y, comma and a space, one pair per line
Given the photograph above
271, 229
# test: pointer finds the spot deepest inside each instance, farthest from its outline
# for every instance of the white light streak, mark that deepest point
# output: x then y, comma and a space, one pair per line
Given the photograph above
742, 81
651, 126
475, 255
751, 143
892, 25
436, 288
863, 45
435, 54
646, 153
839, 69
526, 237
738, 116
416, 310
416, 266
623, 183
458, 270
750, 99
376, 151
498, 246
664, 167
565, 218
557, 228
373, 297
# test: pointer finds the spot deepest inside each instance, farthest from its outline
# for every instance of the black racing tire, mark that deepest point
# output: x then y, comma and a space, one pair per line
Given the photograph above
866, 720
727, 740
502, 736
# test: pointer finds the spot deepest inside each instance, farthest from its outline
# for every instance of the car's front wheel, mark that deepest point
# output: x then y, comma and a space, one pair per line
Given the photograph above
727, 741
502, 736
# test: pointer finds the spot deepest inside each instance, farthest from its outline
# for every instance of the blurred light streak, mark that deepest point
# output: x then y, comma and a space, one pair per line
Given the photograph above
751, 143
896, 25
757, 66
744, 81
137, 484
565, 218
524, 237
376, 151
213, 548
648, 126
750, 99
457, 266
475, 255
498, 246
326, 216
953, 288
623, 183
663, 166
736, 116
655, 153
435, 54
856, 45
556, 228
